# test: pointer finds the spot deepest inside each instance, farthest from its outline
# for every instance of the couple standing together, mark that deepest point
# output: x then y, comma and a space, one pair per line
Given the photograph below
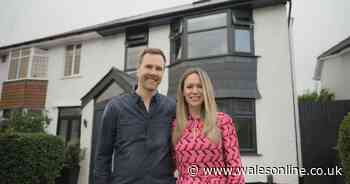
146, 136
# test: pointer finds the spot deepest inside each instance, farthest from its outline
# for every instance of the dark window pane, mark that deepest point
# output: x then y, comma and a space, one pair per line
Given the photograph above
207, 43
242, 112
132, 56
6, 113
70, 112
113, 90
75, 131
207, 22
245, 132
63, 129
242, 16
224, 105
243, 107
242, 40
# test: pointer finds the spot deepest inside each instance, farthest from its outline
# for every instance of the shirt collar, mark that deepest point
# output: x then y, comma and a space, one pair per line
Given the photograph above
137, 98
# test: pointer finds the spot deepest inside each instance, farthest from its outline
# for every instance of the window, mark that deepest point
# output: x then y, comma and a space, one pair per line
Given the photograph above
4, 58
243, 113
68, 127
207, 35
72, 63
39, 63
242, 23
216, 34
175, 41
136, 41
6, 113
28, 63
19, 63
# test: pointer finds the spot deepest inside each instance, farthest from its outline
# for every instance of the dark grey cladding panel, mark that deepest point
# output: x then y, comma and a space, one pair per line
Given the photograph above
231, 76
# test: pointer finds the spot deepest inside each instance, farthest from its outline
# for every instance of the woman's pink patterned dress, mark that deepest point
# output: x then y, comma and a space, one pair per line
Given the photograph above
194, 151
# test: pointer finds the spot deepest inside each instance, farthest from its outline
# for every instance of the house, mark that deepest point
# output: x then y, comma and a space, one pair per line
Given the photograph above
332, 67
244, 46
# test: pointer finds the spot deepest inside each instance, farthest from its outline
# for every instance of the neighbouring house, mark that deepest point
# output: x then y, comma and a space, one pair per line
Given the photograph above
244, 45
332, 69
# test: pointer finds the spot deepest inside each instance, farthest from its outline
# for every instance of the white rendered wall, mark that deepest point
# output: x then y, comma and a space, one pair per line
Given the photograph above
335, 76
97, 58
276, 139
159, 38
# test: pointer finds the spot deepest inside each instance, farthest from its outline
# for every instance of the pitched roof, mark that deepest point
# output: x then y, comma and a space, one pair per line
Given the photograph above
336, 48
125, 81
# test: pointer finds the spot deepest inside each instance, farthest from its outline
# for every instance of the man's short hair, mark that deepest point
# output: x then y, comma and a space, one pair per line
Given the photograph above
154, 51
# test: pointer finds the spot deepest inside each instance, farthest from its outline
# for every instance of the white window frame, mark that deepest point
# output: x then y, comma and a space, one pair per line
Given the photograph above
19, 64
18, 69
73, 61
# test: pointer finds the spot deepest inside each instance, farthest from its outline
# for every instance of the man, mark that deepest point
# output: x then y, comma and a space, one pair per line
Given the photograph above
136, 130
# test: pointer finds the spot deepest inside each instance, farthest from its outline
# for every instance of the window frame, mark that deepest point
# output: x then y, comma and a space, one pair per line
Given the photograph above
243, 115
71, 118
176, 36
185, 40
246, 25
72, 74
136, 42
19, 63
231, 26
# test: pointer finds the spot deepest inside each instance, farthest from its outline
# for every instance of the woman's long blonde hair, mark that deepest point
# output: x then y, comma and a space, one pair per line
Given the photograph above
208, 109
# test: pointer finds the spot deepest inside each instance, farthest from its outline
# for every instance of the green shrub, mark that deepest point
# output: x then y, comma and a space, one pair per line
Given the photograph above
27, 122
324, 96
28, 158
344, 147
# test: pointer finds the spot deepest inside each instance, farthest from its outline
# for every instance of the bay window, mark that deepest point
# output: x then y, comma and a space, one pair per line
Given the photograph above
28, 63
220, 33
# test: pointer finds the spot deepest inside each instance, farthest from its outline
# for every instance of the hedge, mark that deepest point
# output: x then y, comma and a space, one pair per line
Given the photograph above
344, 147
34, 158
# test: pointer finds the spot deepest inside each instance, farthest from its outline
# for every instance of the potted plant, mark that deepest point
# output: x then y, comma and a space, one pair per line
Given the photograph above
73, 154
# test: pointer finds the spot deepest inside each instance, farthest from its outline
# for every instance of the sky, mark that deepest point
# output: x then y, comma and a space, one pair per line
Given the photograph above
318, 24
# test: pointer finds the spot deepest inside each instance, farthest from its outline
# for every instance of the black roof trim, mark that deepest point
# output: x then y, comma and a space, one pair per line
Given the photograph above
336, 49
114, 75
153, 18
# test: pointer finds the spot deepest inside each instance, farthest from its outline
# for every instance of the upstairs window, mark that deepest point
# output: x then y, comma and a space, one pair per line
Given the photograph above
72, 62
207, 35
28, 63
4, 58
136, 40
39, 63
215, 34
176, 41
243, 31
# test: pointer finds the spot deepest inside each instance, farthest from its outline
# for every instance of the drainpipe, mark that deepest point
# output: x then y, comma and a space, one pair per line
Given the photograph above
295, 100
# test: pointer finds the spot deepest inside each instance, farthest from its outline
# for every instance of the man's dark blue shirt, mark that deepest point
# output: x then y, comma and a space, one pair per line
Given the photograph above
139, 139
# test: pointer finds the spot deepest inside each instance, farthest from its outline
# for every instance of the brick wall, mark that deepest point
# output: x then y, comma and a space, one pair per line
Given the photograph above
25, 93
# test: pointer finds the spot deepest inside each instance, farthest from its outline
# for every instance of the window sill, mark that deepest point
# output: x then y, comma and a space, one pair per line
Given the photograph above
251, 154
214, 56
71, 77
22, 79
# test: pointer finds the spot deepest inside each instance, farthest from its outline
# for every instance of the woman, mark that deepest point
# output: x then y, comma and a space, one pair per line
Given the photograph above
203, 138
